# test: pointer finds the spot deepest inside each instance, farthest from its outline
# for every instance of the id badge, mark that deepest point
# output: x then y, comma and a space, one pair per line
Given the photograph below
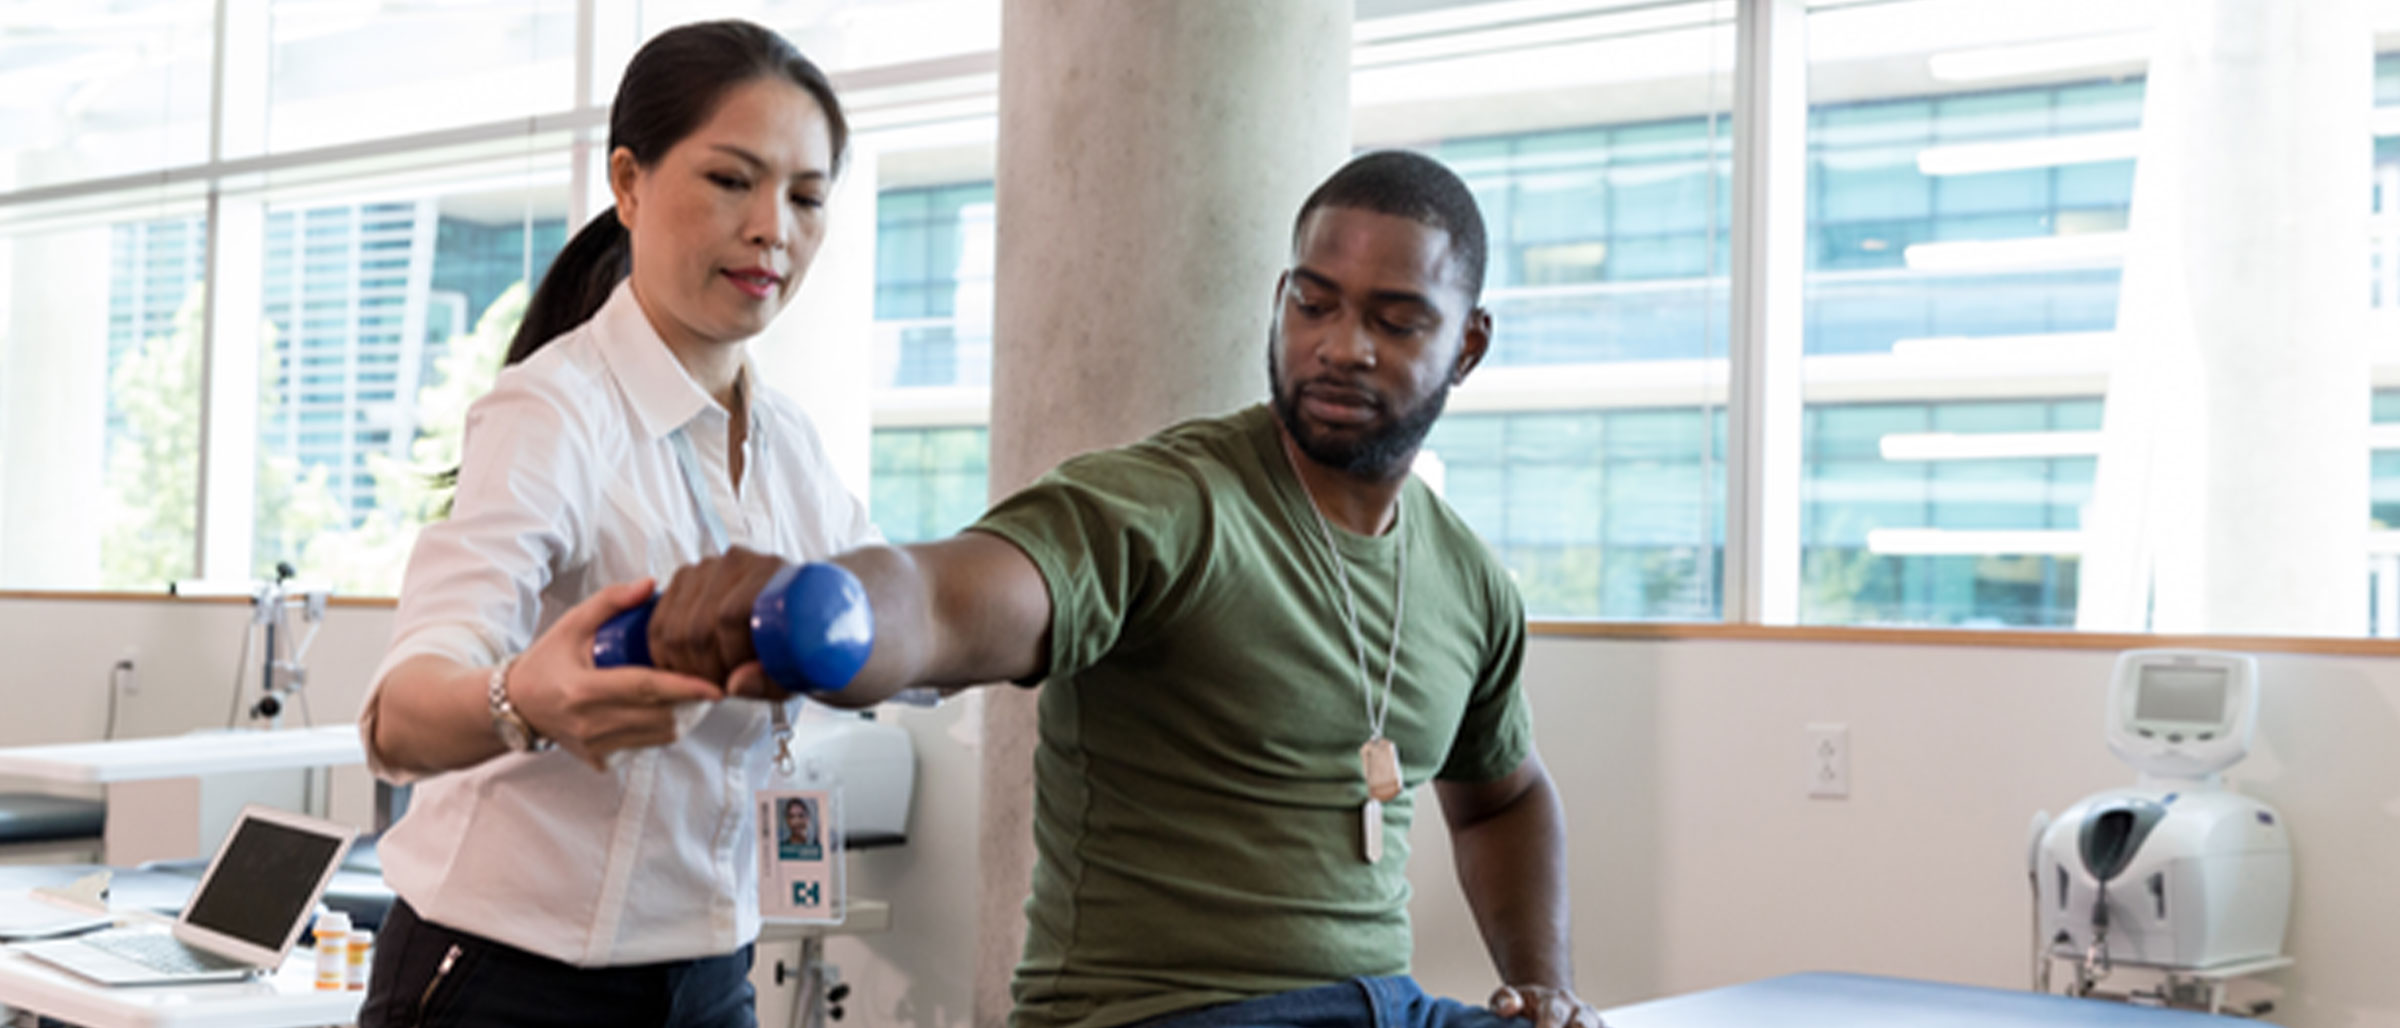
800, 854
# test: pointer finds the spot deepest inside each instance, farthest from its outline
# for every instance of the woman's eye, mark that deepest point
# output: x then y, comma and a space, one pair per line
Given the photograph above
727, 181
803, 200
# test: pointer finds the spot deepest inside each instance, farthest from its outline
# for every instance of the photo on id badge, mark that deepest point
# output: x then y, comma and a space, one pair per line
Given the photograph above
801, 847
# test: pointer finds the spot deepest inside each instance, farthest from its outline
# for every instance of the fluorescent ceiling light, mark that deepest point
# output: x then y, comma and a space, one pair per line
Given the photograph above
1462, 17
2074, 53
965, 108
934, 135
1943, 542
2089, 248
1988, 445
2023, 154
1555, 31
1982, 349
1639, 61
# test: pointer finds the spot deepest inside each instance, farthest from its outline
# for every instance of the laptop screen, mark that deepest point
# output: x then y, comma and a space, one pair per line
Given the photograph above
268, 874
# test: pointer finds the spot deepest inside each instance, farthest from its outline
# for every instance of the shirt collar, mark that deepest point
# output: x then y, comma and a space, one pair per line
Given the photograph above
663, 394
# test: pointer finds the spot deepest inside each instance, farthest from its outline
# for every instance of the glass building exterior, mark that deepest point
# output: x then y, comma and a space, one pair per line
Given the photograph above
1608, 252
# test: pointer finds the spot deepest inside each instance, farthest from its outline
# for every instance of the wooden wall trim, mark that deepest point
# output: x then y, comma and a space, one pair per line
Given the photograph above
97, 596
1988, 638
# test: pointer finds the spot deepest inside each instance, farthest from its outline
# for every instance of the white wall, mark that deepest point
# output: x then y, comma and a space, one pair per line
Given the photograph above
1698, 859
54, 677
1701, 862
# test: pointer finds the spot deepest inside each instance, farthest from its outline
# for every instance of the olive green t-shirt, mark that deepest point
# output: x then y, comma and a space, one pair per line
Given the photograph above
1198, 791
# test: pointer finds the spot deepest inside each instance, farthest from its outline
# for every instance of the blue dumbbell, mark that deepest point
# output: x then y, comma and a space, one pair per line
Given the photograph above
812, 628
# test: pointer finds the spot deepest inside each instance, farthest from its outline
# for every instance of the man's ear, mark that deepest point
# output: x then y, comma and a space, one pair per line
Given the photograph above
623, 172
1476, 339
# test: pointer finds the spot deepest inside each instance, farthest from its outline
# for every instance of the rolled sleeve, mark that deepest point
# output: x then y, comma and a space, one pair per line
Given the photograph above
473, 589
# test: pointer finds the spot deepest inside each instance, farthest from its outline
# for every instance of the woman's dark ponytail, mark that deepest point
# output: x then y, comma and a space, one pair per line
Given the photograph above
586, 270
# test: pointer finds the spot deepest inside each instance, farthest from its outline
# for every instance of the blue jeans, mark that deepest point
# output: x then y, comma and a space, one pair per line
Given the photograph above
1357, 1003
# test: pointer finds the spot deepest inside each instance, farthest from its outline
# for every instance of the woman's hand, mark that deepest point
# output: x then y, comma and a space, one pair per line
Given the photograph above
589, 711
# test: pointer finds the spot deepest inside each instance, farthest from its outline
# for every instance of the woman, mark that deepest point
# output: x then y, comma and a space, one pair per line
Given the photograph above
579, 848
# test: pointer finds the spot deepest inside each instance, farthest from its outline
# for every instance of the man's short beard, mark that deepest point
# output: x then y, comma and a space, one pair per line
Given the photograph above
1382, 456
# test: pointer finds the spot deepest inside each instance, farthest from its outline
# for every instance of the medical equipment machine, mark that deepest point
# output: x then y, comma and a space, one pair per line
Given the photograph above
2178, 872
283, 671
874, 761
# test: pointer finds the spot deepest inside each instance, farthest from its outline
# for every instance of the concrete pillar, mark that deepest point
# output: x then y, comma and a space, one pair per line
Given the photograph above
2232, 488
1151, 158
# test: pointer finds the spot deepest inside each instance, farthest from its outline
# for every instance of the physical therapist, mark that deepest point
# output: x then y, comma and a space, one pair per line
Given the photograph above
579, 849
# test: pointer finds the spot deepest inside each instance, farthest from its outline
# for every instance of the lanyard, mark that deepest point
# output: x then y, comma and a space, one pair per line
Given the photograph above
716, 541
712, 528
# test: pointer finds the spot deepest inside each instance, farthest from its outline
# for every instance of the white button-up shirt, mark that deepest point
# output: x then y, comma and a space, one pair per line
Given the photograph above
569, 482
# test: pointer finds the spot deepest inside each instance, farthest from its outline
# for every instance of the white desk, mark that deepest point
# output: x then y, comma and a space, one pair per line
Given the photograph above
186, 756
173, 796
289, 999
286, 999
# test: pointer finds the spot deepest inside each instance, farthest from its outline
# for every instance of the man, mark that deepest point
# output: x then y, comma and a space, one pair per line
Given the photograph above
799, 830
1258, 634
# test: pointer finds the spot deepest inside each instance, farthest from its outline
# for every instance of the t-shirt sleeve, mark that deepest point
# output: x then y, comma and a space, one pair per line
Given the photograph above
1119, 536
1496, 735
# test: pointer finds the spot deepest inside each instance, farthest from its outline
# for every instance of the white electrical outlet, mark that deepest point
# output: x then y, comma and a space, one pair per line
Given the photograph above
1829, 761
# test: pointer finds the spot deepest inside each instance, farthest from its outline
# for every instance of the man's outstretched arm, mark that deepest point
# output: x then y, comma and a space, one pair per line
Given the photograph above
963, 611
1508, 838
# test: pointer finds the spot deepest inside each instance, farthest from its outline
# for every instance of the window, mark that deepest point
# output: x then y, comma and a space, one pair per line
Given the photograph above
933, 284
341, 73
1993, 323
1893, 530
93, 95
345, 284
347, 505
1589, 450
99, 428
2015, 354
1608, 262
1597, 513
928, 482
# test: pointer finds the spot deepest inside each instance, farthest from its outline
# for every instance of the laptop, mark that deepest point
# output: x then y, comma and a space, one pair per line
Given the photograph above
241, 920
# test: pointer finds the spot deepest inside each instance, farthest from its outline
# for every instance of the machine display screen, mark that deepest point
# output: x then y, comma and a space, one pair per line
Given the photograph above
2191, 695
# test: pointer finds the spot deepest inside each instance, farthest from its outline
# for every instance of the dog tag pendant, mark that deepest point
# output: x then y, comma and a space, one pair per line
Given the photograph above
1370, 823
1381, 760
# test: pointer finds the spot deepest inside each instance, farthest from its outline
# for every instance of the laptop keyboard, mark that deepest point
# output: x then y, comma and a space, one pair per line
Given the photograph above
160, 952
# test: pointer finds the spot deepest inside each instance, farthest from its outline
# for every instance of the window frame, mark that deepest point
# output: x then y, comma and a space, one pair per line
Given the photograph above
1763, 506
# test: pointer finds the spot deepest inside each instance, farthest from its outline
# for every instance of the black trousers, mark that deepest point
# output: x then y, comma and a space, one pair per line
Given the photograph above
491, 984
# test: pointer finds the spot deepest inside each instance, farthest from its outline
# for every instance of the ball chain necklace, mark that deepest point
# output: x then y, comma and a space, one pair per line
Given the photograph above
1379, 759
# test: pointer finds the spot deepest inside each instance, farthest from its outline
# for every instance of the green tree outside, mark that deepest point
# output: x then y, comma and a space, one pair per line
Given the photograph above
151, 502
370, 557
